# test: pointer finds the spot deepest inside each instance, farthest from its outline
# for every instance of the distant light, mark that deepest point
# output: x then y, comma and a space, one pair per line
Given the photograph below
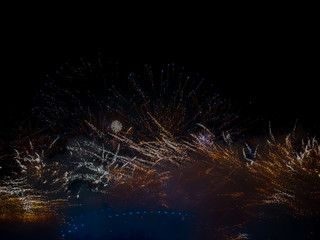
116, 126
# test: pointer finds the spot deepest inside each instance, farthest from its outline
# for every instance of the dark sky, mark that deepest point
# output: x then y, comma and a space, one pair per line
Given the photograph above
268, 67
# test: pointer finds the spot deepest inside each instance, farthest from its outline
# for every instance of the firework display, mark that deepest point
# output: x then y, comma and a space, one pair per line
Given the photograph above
164, 144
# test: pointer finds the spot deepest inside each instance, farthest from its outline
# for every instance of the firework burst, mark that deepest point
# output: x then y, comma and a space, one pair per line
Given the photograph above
288, 174
163, 141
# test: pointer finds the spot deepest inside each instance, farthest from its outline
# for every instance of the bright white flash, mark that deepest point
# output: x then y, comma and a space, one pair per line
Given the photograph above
116, 126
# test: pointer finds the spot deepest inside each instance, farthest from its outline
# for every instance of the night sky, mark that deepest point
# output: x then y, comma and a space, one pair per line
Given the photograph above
265, 64
267, 67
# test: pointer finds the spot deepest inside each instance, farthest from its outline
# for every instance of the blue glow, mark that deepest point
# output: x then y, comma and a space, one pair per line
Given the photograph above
73, 228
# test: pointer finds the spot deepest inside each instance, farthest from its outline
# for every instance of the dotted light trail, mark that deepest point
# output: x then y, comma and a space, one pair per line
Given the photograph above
110, 222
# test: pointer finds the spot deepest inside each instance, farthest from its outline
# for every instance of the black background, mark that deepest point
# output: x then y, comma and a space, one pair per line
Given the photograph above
266, 63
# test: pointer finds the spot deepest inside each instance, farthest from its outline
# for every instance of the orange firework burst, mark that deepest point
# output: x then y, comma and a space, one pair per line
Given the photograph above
288, 173
172, 146
20, 202
175, 100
